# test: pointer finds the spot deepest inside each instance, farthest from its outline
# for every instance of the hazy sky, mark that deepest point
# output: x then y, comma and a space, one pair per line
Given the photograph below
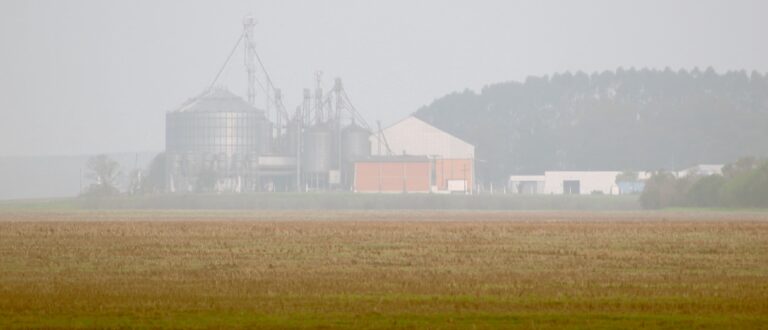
98, 76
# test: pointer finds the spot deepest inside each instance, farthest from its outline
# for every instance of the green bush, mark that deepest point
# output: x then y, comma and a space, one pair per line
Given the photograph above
706, 191
747, 188
744, 184
661, 191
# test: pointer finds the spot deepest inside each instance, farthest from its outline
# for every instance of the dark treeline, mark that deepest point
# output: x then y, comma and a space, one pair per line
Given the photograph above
743, 184
614, 120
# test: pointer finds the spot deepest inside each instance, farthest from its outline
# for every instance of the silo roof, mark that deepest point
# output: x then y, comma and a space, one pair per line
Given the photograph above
355, 127
217, 100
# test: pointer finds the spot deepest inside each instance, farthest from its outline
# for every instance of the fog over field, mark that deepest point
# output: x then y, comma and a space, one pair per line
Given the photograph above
90, 77
342, 164
85, 77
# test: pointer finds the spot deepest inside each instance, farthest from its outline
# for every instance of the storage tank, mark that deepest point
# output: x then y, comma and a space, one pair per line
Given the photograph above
355, 143
318, 149
218, 122
292, 137
216, 131
264, 129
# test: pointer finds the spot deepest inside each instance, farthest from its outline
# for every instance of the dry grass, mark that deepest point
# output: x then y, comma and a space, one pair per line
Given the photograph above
383, 269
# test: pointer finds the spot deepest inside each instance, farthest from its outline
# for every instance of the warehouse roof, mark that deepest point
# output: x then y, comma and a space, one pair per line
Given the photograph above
413, 136
394, 159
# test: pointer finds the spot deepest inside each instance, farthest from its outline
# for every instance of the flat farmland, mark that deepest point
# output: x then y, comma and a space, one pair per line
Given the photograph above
383, 269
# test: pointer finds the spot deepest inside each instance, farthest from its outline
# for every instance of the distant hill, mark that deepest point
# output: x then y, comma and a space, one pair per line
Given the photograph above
624, 119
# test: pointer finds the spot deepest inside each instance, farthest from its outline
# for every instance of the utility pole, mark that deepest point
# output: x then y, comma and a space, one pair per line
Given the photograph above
299, 125
464, 176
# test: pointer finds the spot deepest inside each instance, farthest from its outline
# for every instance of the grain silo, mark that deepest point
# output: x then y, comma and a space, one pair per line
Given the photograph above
355, 145
318, 154
211, 139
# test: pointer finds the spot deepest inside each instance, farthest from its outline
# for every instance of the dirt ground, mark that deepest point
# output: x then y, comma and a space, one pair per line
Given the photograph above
383, 269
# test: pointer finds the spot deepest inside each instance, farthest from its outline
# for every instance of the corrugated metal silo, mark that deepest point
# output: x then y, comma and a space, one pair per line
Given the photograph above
355, 143
292, 137
318, 149
265, 137
218, 122
216, 131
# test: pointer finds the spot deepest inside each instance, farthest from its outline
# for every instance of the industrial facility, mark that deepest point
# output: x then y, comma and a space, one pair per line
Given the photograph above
220, 142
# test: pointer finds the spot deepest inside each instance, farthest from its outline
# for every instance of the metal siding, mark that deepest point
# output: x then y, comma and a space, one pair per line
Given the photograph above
318, 150
417, 177
392, 177
453, 169
217, 131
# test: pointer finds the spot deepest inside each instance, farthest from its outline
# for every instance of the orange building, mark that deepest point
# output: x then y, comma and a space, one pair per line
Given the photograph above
445, 163
400, 174
453, 175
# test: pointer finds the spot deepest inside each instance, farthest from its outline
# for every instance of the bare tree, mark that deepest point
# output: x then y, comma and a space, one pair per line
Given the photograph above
104, 171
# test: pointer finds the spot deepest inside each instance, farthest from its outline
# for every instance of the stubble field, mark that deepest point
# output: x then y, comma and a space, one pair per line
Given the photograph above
384, 269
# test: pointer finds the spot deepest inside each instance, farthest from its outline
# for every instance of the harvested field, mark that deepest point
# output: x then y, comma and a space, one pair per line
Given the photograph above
383, 269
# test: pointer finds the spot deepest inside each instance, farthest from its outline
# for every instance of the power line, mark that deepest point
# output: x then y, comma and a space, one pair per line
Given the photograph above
229, 58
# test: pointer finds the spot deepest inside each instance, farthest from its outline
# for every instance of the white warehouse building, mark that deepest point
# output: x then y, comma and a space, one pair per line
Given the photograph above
574, 183
594, 182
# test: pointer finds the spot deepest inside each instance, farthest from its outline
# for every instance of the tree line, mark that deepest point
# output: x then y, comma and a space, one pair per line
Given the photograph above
613, 120
743, 184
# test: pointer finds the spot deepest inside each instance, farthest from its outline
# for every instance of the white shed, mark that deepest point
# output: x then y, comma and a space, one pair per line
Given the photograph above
581, 182
566, 182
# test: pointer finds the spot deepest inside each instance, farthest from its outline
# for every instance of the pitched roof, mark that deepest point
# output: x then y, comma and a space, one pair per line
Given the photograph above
413, 136
413, 117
